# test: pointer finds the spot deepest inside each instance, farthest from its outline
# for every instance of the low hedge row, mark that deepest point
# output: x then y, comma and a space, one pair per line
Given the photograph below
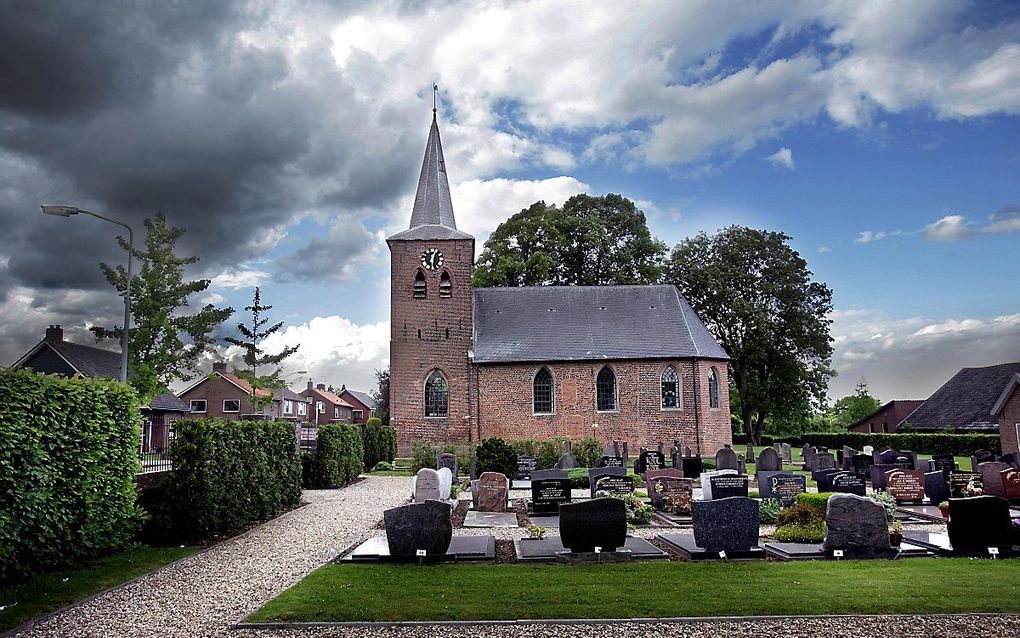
227, 474
339, 457
68, 456
379, 441
941, 443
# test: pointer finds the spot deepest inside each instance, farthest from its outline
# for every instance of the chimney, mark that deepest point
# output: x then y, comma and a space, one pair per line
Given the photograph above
330, 388
220, 366
55, 334
320, 386
310, 386
343, 388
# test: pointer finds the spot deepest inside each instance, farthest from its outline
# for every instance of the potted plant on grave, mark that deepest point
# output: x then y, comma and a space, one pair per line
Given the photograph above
944, 508
896, 534
536, 532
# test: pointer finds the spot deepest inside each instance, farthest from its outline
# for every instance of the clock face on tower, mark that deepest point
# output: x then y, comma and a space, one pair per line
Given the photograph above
432, 259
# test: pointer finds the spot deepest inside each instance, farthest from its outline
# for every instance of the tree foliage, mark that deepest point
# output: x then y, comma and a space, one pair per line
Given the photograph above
590, 241
856, 406
255, 356
381, 395
166, 343
755, 294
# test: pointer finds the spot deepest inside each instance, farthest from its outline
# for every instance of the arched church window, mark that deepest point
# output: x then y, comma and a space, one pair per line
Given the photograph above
713, 388
445, 286
419, 285
542, 392
437, 395
670, 388
605, 390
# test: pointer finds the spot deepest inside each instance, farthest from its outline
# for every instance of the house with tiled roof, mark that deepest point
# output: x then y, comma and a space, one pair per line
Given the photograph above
362, 404
227, 396
326, 406
886, 417
1006, 411
965, 403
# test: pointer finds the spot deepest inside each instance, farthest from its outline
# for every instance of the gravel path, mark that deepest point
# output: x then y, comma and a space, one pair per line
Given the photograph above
205, 594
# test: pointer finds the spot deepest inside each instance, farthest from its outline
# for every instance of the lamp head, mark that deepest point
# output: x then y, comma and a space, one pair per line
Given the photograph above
60, 211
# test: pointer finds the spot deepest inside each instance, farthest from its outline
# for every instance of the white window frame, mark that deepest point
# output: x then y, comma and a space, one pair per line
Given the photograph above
302, 408
320, 407
226, 411
357, 414
205, 406
336, 411
288, 406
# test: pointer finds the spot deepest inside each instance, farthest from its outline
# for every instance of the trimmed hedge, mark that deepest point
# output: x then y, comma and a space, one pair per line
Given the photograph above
496, 455
339, 456
379, 441
817, 500
227, 475
68, 456
941, 443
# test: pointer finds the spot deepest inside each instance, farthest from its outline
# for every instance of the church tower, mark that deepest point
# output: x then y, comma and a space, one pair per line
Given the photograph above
431, 323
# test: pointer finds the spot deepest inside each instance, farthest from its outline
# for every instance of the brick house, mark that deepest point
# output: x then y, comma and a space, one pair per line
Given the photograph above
1007, 412
626, 362
54, 355
964, 403
885, 418
226, 396
325, 406
362, 404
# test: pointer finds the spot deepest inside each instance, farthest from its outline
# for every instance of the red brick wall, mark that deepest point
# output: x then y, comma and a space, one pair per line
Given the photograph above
366, 412
428, 334
1008, 419
214, 390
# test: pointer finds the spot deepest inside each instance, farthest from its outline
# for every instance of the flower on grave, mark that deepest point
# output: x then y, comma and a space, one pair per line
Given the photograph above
971, 489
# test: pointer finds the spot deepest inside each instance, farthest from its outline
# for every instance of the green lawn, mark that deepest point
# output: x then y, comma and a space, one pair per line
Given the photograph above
46, 592
647, 590
390, 473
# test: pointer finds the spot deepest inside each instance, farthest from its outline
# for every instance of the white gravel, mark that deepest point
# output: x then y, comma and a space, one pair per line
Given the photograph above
205, 594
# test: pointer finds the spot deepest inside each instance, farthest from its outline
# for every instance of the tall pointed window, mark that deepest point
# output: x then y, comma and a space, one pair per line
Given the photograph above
437, 395
670, 388
605, 390
445, 286
542, 392
713, 388
419, 285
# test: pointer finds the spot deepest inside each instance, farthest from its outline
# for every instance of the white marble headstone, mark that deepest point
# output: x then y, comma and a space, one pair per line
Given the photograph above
706, 483
428, 486
445, 483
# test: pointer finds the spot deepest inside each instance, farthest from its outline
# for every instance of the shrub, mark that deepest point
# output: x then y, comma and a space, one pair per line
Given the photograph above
813, 533
800, 514
819, 501
587, 451
768, 510
227, 474
423, 454
379, 441
496, 455
339, 456
373, 420
68, 456
382, 466
887, 501
463, 454
546, 452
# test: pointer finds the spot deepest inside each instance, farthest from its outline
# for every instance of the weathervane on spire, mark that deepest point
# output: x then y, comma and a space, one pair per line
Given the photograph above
435, 91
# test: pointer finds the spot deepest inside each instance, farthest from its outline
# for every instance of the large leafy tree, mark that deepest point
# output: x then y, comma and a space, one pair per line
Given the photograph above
856, 406
756, 295
590, 241
255, 356
166, 341
381, 395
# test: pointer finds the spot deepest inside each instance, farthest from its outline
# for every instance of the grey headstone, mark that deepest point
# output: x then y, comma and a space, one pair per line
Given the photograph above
447, 460
650, 485
539, 475
419, 526
824, 461
728, 524
808, 454
855, 522
769, 461
566, 462
787, 452
474, 493
991, 478
445, 483
427, 486
706, 481
595, 473
726, 459
935, 487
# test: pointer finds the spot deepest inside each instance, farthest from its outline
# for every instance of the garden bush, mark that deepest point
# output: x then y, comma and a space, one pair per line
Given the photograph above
887, 501
423, 455
379, 441
496, 455
227, 475
338, 458
546, 452
933, 444
800, 523
768, 510
68, 456
800, 514
819, 501
587, 451
382, 466
813, 533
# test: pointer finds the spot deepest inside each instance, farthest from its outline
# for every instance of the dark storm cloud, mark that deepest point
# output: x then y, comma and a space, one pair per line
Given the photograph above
328, 258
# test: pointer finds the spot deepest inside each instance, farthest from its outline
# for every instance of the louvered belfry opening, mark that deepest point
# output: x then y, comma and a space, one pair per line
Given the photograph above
445, 286
419, 285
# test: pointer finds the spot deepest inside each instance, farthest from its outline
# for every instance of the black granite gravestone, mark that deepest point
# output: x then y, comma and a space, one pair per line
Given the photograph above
649, 460
728, 486
944, 464
691, 465
861, 466
614, 485
566, 462
417, 526
548, 494
785, 488
979, 522
821, 478
979, 457
726, 525
549, 474
878, 472
961, 482
525, 466
857, 525
609, 461
845, 483
651, 487
595, 473
449, 461
936, 488
601, 522
725, 459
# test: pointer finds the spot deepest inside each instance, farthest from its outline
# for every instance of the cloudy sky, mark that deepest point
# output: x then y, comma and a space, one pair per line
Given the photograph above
287, 136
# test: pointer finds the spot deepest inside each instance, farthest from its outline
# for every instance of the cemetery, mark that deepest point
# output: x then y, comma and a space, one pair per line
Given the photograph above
835, 519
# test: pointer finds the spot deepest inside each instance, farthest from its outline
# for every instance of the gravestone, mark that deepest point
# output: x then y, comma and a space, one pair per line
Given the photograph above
847, 483
848, 457
808, 454
785, 488
821, 477
447, 460
906, 486
787, 452
726, 459
626, 455
979, 522
936, 487
878, 472
824, 461
768, 461
691, 465
1011, 484
959, 482
1012, 459
417, 526
678, 490
548, 493
609, 461
611, 450
525, 466
493, 489
868, 450
601, 522
614, 485
595, 473
991, 478
649, 460
861, 466
979, 457
474, 493
706, 483
554, 473
764, 479
726, 525
427, 485
728, 486
566, 462
944, 464
445, 483
856, 524
652, 487
472, 469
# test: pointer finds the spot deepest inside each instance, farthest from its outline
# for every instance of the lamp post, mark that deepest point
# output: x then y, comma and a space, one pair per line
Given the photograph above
67, 211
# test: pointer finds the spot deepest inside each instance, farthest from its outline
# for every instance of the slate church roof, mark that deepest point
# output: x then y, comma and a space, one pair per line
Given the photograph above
587, 323
965, 402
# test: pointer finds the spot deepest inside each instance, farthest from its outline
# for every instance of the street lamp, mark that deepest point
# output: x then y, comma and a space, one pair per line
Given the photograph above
67, 211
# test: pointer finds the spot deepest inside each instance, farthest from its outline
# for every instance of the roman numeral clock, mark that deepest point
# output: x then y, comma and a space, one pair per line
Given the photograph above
432, 259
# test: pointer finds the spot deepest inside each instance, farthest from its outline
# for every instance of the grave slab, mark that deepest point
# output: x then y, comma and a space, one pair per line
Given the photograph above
689, 550
548, 522
551, 549
814, 551
490, 519
461, 549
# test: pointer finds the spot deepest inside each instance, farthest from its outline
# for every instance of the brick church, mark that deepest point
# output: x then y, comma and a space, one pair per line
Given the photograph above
538, 362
